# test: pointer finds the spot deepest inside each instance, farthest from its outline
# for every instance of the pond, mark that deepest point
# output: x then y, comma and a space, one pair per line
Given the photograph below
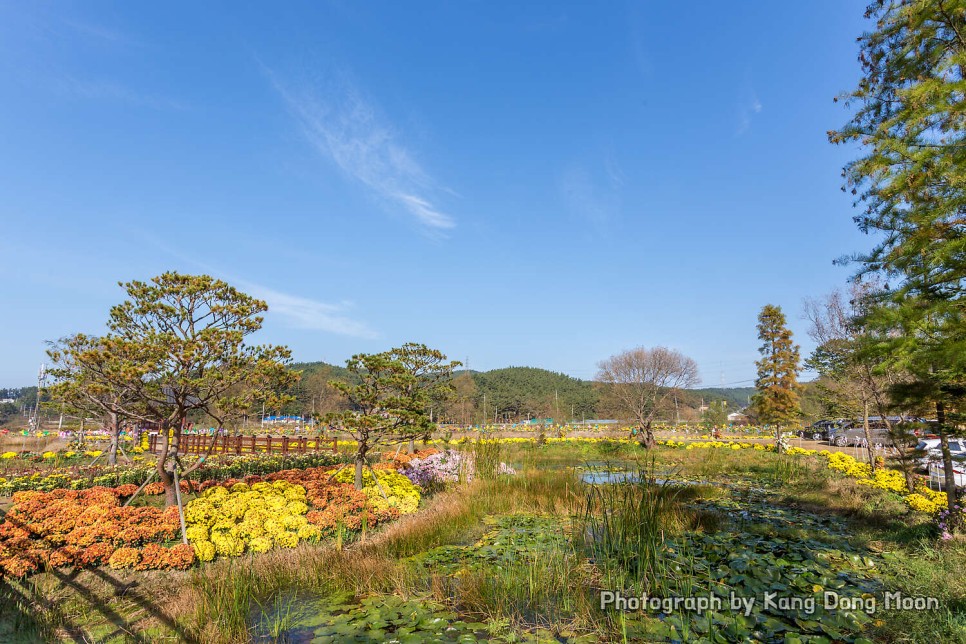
507, 541
600, 477
343, 618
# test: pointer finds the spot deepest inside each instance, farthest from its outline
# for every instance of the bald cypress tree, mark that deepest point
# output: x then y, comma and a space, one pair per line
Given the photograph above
778, 401
910, 183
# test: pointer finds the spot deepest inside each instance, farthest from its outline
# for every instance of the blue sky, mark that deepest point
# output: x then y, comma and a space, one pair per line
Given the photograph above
539, 184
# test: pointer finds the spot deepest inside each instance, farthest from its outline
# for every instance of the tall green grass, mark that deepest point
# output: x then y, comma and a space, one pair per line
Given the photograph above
550, 589
788, 469
625, 525
229, 598
486, 457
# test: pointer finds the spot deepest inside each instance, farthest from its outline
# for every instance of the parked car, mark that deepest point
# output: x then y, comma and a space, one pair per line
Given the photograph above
852, 435
931, 452
937, 473
820, 431
850, 432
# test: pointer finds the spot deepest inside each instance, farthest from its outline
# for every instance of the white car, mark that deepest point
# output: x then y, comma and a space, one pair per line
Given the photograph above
933, 453
937, 474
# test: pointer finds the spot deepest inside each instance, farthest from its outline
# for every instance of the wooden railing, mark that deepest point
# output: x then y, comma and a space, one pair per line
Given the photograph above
199, 444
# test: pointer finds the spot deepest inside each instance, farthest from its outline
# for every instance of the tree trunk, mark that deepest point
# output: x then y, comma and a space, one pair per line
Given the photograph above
169, 450
113, 429
112, 451
647, 437
868, 436
778, 439
950, 475
412, 446
897, 435
360, 464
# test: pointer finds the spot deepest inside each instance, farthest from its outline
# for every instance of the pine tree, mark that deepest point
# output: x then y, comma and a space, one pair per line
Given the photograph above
911, 182
390, 398
174, 349
778, 401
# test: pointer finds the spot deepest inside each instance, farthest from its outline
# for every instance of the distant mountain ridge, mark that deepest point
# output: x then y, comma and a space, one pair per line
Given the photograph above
541, 391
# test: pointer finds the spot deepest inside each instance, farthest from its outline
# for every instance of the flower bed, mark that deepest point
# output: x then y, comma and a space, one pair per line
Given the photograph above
400, 493
90, 527
402, 459
732, 445
922, 500
220, 467
286, 507
440, 467
256, 518
84, 528
445, 467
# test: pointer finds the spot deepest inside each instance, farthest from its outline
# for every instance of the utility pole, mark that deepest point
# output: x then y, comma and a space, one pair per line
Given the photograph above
35, 423
484, 409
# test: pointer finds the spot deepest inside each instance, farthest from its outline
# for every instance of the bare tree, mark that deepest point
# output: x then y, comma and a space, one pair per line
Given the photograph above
462, 405
641, 379
851, 373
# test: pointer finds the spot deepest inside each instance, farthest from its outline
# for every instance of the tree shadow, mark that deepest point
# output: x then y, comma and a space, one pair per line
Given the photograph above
17, 606
18, 622
131, 592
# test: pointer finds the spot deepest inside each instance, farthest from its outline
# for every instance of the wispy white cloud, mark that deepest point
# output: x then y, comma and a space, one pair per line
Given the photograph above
746, 112
305, 313
346, 128
113, 91
296, 311
595, 199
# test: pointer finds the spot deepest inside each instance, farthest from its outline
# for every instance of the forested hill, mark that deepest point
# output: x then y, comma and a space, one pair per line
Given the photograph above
522, 391
324, 368
517, 392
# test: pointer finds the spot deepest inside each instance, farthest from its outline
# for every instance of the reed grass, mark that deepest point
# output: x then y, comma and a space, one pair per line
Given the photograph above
624, 528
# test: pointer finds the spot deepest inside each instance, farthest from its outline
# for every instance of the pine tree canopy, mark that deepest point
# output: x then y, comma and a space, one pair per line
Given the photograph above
778, 401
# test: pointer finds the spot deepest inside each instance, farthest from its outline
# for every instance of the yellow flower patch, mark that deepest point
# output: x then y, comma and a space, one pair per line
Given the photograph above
257, 518
400, 492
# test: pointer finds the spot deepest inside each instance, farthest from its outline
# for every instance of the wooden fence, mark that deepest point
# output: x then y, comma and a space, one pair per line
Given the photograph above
199, 444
